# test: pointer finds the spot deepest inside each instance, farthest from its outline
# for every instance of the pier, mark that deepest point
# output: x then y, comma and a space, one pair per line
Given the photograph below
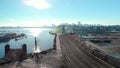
51, 58
8, 36
68, 51
12, 55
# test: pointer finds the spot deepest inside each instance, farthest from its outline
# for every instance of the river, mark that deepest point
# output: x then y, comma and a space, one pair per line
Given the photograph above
44, 39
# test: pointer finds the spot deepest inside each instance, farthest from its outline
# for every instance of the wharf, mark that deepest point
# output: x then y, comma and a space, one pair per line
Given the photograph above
8, 36
12, 55
46, 59
67, 53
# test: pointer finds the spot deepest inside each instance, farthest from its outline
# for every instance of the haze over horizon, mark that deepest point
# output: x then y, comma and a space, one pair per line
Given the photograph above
47, 12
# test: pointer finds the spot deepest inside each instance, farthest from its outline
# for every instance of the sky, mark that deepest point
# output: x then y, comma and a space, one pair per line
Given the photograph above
48, 12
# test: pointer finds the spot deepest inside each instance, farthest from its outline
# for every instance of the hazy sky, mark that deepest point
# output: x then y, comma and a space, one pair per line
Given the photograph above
40, 12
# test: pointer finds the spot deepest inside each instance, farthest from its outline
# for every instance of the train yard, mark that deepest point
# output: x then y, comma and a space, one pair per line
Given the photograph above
76, 56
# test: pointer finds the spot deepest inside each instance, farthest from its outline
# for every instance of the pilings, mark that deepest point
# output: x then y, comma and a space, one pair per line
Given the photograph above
24, 47
35, 43
15, 54
7, 49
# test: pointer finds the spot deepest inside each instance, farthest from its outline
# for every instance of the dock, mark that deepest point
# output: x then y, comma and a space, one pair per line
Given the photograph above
46, 59
8, 36
12, 55
68, 52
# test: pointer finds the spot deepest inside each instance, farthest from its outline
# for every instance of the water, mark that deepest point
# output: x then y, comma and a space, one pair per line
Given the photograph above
44, 39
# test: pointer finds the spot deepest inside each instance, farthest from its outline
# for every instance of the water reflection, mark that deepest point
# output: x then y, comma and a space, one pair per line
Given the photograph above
44, 39
36, 48
35, 31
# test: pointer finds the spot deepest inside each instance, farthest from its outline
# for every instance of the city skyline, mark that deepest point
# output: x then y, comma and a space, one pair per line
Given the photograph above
48, 12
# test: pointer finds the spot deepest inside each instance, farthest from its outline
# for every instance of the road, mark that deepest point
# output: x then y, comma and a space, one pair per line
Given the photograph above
76, 57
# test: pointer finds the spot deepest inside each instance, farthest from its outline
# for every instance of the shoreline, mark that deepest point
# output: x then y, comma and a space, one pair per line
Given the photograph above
51, 54
50, 58
52, 33
4, 61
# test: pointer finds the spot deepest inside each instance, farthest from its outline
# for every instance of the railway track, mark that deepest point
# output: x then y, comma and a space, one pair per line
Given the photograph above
76, 57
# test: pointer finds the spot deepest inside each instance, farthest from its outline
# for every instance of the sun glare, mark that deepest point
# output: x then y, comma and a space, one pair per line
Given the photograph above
37, 50
35, 31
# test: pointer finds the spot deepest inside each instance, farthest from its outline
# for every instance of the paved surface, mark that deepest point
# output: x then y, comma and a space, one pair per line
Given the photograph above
76, 56
58, 47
